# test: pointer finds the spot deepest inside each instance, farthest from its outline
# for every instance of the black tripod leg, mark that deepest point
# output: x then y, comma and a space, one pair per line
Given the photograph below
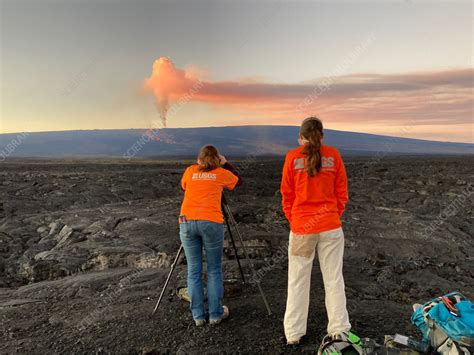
169, 277
235, 248
254, 273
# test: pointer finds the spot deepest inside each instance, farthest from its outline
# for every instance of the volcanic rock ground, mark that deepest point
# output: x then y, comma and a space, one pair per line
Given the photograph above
85, 248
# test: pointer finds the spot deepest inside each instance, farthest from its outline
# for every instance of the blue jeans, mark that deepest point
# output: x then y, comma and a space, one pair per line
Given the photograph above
195, 235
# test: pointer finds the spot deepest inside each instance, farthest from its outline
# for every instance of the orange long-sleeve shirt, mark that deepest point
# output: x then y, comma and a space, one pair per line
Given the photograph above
314, 204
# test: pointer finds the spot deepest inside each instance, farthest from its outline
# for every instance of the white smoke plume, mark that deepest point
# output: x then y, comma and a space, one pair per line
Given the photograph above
168, 84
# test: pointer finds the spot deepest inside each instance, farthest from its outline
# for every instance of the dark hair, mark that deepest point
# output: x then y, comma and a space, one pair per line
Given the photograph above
208, 158
312, 131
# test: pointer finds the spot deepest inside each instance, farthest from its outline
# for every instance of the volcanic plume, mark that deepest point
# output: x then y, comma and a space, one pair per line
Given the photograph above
168, 84
427, 97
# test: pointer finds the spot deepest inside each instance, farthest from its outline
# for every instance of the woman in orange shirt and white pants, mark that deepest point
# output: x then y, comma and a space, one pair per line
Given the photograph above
314, 191
201, 227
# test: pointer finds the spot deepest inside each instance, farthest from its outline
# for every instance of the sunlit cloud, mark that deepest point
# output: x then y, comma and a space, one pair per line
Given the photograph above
422, 98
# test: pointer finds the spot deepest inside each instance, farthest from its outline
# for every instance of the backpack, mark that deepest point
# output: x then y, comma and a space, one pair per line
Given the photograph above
349, 343
447, 324
346, 343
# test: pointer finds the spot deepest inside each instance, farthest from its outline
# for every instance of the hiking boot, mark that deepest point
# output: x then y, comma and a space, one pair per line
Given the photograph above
225, 315
200, 322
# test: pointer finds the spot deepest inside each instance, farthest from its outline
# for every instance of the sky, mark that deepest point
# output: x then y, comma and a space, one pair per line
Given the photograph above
400, 68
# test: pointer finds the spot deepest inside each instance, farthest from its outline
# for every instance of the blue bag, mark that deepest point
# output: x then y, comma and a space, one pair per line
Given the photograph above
448, 319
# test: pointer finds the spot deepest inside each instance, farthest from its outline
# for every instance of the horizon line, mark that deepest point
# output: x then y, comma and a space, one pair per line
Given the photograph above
246, 125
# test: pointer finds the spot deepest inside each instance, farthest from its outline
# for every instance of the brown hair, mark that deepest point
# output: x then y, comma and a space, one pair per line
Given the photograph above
208, 158
312, 131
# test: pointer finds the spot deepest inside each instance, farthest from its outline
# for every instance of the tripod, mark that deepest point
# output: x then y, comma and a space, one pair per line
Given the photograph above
230, 222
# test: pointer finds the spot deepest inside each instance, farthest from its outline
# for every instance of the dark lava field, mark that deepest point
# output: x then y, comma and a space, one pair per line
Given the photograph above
85, 247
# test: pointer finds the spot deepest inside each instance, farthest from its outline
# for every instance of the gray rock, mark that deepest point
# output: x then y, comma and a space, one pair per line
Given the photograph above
95, 228
55, 227
84, 292
42, 229
64, 234
39, 270
256, 248
79, 224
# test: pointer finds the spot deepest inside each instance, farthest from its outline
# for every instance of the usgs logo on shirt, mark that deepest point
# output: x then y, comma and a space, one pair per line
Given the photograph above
327, 163
204, 176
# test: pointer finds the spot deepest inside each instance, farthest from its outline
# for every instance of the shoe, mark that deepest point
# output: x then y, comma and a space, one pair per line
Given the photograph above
200, 322
225, 315
293, 342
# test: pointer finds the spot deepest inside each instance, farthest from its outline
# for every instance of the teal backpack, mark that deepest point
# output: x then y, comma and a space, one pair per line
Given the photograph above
447, 324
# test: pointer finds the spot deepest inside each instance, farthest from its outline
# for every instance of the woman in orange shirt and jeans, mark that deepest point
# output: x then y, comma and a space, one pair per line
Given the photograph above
201, 226
314, 191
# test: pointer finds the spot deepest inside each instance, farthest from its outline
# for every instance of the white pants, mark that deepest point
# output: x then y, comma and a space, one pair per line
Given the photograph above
330, 248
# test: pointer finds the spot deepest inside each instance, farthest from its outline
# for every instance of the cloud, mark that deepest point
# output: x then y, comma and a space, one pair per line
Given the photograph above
435, 97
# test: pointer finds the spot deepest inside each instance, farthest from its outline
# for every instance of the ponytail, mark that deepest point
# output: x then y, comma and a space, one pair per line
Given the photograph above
312, 132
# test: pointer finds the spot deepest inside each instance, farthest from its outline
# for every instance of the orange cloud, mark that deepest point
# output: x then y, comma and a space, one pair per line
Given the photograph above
424, 98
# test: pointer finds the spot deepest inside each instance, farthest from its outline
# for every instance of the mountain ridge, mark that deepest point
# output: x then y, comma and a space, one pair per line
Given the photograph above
258, 140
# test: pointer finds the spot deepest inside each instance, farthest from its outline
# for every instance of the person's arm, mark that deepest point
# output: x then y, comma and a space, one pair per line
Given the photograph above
228, 166
342, 195
287, 188
228, 180
184, 179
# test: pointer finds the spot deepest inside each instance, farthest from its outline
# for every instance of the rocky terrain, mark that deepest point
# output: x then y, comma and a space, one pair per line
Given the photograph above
85, 247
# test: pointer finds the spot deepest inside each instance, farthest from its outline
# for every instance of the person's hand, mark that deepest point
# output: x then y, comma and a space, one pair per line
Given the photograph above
222, 160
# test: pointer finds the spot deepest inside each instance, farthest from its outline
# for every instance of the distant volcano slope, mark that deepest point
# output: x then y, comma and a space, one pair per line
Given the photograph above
234, 141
